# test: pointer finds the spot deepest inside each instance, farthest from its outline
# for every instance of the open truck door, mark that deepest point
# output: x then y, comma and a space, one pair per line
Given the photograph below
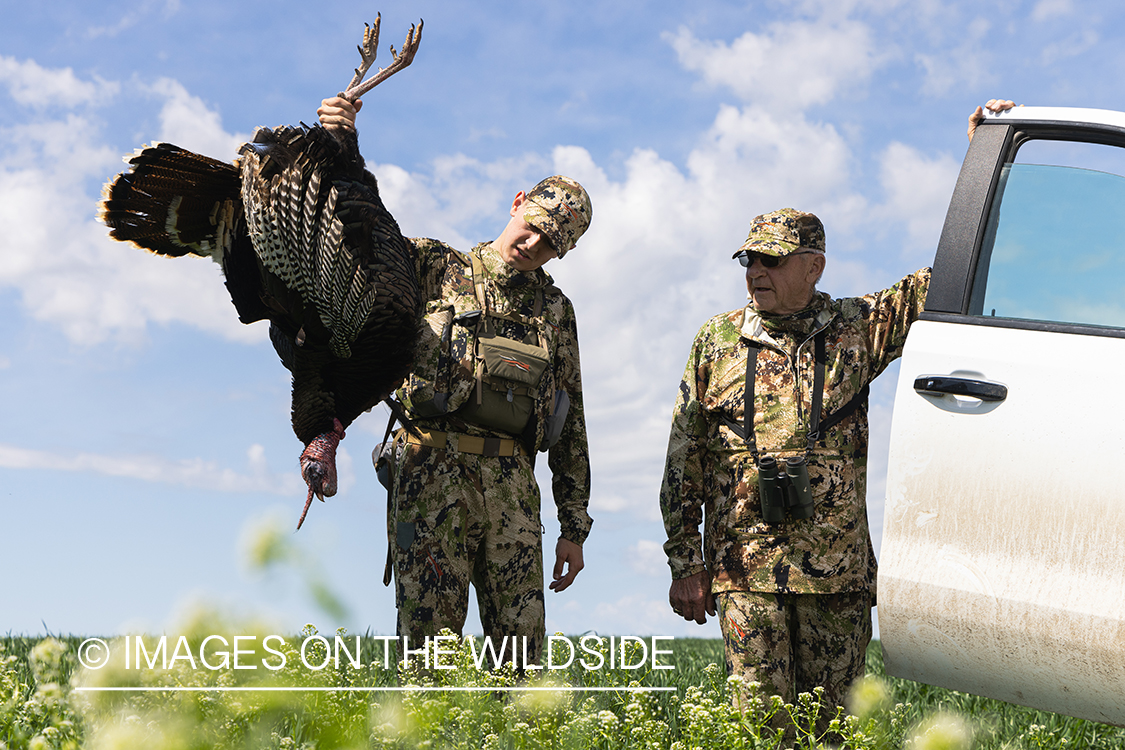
1002, 569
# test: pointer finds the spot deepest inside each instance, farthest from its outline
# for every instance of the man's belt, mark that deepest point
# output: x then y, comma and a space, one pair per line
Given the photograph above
475, 444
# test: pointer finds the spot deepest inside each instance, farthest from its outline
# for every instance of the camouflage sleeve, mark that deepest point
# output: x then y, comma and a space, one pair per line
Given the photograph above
430, 257
569, 459
891, 313
684, 489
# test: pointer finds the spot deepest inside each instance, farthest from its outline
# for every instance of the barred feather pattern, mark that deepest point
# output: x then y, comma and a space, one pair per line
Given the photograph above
258, 195
297, 236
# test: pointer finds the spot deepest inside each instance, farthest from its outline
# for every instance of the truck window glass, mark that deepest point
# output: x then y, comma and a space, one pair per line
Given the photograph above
1054, 249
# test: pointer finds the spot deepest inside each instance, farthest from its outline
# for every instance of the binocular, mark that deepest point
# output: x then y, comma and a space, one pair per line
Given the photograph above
784, 492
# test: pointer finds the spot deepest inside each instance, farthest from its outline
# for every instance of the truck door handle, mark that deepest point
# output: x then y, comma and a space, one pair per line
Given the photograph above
943, 384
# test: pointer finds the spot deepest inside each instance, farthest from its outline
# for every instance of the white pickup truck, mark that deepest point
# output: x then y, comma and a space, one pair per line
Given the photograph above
1002, 570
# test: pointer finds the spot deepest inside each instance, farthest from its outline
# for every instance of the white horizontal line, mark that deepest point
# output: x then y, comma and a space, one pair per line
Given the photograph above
194, 689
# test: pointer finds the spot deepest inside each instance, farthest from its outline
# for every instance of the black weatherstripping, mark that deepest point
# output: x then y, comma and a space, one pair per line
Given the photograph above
965, 221
944, 384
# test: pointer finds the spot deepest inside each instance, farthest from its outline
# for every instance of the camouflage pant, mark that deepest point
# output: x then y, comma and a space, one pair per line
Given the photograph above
792, 643
461, 519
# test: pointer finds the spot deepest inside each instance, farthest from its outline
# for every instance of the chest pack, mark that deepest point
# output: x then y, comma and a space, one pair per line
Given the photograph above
500, 382
508, 372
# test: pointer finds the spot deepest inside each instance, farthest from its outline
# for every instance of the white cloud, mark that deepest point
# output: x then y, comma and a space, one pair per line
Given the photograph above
791, 66
647, 558
1048, 10
835, 10
458, 199
72, 275
642, 615
1072, 45
56, 252
257, 476
39, 88
966, 65
188, 122
135, 15
917, 189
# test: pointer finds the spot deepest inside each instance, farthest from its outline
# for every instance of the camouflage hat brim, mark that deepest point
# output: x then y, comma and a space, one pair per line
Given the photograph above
784, 232
560, 209
540, 218
767, 246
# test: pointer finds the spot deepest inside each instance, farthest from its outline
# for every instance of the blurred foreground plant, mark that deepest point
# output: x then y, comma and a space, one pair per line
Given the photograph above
348, 705
35, 708
360, 701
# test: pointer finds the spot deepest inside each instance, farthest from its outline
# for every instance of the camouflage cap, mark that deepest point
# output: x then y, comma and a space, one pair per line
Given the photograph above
782, 232
559, 208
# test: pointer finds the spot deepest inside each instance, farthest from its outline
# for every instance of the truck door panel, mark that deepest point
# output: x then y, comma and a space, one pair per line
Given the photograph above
1001, 570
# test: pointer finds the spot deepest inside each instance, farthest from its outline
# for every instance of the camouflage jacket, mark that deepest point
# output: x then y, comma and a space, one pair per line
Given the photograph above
710, 475
444, 363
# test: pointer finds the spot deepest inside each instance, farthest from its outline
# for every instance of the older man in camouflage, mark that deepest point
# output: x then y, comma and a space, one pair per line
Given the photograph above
496, 379
793, 584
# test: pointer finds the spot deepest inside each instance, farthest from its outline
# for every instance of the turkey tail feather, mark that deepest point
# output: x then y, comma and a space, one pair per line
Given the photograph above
174, 202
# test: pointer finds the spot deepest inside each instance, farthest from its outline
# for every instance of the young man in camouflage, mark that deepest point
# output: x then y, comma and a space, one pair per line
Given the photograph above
794, 596
465, 504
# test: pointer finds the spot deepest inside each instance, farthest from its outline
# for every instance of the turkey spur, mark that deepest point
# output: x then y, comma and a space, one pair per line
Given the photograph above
304, 241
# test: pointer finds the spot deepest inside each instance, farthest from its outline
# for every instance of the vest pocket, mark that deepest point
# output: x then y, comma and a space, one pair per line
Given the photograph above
508, 375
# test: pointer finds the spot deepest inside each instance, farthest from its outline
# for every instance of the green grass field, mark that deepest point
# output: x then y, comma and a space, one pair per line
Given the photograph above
42, 705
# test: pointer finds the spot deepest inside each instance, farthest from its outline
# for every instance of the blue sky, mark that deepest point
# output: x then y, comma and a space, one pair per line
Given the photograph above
144, 432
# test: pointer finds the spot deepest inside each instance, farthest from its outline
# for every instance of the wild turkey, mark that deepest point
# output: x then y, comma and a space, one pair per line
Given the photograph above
304, 241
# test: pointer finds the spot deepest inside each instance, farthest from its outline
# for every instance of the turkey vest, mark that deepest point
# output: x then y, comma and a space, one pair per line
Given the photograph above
487, 379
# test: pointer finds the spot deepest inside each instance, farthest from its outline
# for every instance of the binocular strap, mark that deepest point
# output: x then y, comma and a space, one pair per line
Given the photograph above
816, 424
819, 366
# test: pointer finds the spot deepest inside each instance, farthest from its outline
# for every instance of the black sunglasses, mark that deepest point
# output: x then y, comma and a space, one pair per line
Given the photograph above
746, 259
